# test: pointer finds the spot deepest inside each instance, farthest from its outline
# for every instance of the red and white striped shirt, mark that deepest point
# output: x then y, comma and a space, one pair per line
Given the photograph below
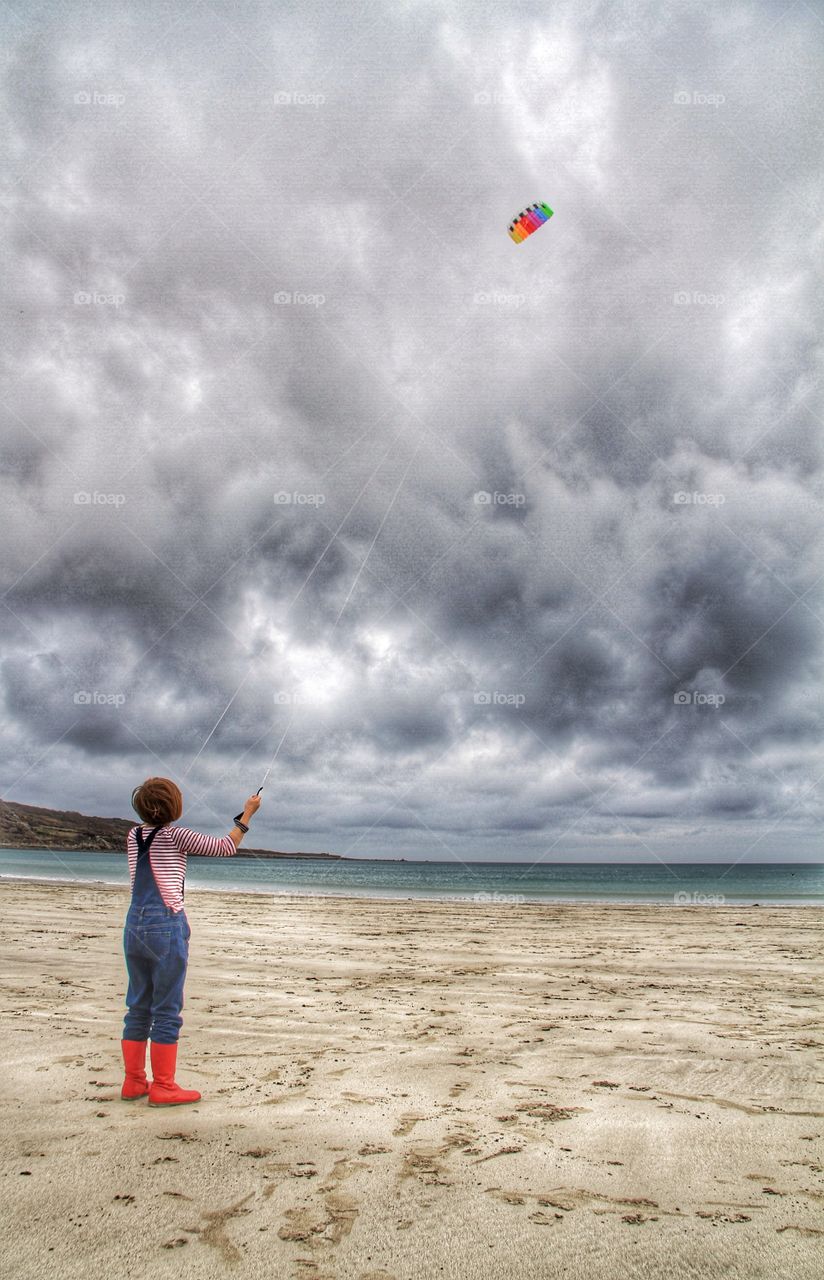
167, 857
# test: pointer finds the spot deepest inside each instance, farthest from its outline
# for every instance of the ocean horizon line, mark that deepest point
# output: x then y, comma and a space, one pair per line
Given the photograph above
278, 856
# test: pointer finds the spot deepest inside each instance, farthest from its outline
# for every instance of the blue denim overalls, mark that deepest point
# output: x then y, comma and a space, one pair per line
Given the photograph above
156, 944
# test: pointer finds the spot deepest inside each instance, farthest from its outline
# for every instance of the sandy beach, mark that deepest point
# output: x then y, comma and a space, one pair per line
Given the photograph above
403, 1089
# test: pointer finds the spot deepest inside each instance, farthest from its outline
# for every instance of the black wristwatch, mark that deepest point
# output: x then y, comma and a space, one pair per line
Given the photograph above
240, 823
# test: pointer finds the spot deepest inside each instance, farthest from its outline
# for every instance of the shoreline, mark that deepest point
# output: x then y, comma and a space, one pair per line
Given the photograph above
480, 899
264, 855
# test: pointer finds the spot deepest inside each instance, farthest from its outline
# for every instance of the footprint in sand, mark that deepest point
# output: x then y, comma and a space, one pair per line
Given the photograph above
342, 1211
341, 1170
330, 1222
566, 1199
427, 1164
541, 1110
214, 1231
406, 1123
277, 1170
302, 1224
722, 1217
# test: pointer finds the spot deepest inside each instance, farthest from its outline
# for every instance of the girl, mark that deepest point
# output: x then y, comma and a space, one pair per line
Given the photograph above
156, 936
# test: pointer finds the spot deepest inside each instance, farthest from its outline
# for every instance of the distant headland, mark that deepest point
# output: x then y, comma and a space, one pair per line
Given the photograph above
24, 826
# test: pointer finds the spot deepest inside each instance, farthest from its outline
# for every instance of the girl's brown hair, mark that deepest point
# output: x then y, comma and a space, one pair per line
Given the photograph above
157, 801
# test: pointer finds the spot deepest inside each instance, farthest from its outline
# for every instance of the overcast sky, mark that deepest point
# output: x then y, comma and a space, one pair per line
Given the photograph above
518, 544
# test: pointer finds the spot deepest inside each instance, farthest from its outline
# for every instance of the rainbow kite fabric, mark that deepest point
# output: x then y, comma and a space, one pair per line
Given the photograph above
528, 221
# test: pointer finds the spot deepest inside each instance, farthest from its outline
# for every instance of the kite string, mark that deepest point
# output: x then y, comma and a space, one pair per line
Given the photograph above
275, 756
217, 722
401, 483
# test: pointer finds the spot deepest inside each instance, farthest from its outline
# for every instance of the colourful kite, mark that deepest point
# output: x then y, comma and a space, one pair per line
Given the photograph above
528, 221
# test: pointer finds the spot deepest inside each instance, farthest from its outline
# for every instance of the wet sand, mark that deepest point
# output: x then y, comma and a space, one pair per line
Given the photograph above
395, 1090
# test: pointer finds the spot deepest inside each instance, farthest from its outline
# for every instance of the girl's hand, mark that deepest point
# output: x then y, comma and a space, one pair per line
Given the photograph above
252, 805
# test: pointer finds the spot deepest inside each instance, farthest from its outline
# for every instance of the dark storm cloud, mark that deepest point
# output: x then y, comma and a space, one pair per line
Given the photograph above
522, 544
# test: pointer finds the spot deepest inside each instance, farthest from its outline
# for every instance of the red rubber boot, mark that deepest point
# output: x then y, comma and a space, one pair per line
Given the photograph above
134, 1060
163, 1092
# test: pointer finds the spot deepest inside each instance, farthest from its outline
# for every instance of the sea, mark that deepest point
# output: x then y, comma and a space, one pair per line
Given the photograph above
696, 884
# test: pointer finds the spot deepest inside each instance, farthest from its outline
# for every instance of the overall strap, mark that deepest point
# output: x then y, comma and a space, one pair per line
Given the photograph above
144, 844
145, 889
